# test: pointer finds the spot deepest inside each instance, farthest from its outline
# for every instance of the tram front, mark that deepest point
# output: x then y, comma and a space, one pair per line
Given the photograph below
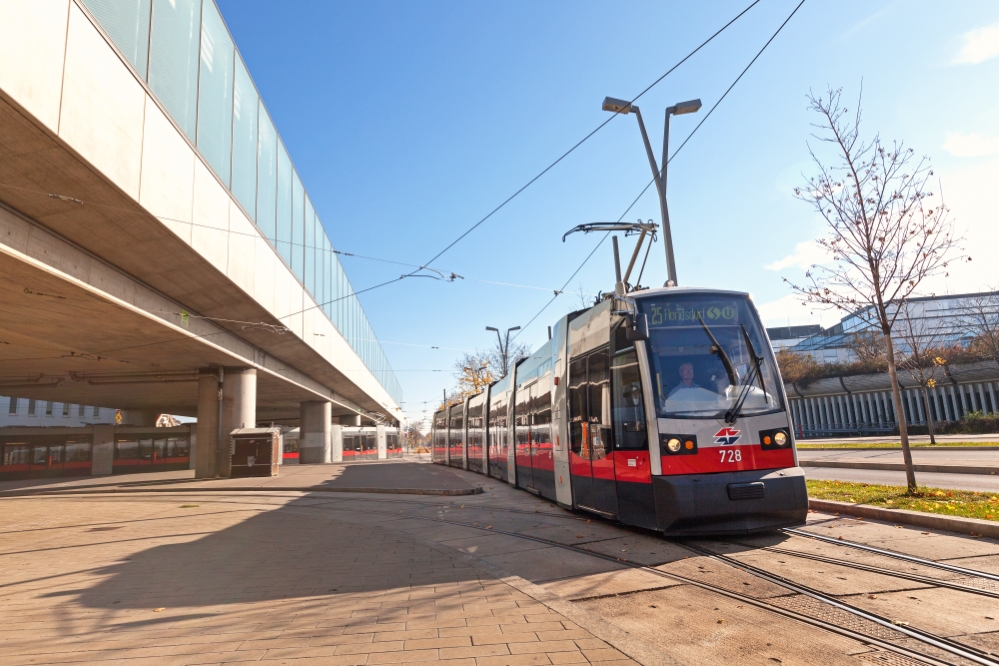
727, 462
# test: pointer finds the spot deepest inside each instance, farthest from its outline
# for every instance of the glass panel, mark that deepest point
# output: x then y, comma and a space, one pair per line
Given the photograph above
127, 24
146, 449
159, 450
39, 455
599, 403
12, 408
77, 451
31, 407
284, 203
310, 247
297, 227
629, 408
330, 259
55, 455
709, 355
266, 175
173, 62
215, 93
245, 104
15, 454
126, 450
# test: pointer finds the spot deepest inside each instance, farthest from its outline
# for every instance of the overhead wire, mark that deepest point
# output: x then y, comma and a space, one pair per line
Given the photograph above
668, 160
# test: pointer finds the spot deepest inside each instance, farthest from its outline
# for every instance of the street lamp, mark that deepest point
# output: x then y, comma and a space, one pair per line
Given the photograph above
622, 107
504, 348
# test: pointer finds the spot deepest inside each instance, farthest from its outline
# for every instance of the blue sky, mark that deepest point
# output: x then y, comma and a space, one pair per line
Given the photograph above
410, 121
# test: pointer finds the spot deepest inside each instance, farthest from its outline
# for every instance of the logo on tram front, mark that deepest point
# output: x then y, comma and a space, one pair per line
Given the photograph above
727, 436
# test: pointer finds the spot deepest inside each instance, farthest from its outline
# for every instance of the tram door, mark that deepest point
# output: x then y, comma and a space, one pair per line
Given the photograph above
591, 436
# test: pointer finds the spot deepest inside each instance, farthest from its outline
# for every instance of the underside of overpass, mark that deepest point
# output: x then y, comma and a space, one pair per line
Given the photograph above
103, 303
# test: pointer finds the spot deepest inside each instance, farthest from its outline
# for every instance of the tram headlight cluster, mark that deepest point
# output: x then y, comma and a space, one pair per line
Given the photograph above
676, 445
778, 438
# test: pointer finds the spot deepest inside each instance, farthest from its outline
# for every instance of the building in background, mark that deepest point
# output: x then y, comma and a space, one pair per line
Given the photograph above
25, 412
943, 320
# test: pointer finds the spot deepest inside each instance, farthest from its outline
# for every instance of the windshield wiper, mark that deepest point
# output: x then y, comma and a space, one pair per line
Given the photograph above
757, 359
717, 349
732, 414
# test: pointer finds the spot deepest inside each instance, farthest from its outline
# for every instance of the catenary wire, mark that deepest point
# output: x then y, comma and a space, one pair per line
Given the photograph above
670, 159
477, 224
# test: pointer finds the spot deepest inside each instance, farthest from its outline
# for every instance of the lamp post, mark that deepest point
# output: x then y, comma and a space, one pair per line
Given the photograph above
504, 347
658, 175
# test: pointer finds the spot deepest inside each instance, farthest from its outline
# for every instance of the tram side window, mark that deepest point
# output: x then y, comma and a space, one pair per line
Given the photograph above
15, 454
629, 407
599, 405
77, 451
577, 407
126, 450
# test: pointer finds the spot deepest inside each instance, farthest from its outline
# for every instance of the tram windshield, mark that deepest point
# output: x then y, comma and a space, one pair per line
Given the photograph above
709, 357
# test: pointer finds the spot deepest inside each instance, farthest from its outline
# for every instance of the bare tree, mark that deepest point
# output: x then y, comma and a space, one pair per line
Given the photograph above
885, 237
980, 318
515, 352
473, 374
868, 346
920, 357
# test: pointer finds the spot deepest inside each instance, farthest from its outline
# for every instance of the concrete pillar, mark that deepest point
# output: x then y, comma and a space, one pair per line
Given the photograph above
336, 443
192, 444
350, 420
314, 432
102, 451
207, 452
139, 417
381, 442
992, 394
239, 408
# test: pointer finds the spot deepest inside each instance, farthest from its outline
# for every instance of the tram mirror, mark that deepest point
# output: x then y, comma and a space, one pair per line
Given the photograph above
640, 328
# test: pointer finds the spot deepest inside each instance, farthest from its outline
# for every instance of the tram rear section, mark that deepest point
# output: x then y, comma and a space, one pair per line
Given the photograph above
663, 409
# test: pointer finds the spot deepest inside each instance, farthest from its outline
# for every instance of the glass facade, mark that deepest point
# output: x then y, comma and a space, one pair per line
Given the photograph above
184, 51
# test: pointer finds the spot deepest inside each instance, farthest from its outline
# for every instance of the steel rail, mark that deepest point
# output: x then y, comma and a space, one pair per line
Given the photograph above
937, 582
955, 649
892, 553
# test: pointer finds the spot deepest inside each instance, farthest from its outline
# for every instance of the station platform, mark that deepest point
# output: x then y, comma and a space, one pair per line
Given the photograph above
126, 574
406, 477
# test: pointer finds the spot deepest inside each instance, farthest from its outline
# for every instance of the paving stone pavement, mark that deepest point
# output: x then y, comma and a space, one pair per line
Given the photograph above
264, 579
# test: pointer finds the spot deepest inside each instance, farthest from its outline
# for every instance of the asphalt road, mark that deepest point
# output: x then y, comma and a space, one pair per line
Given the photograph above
952, 481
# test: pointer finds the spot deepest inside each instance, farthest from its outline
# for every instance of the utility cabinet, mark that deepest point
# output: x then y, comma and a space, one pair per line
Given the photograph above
254, 452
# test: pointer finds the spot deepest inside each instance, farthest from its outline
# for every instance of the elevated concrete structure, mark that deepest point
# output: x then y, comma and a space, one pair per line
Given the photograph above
126, 265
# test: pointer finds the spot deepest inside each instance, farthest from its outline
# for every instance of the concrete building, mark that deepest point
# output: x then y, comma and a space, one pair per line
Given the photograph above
940, 320
158, 250
46, 413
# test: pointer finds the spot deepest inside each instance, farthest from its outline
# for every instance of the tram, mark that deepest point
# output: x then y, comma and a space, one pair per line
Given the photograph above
661, 408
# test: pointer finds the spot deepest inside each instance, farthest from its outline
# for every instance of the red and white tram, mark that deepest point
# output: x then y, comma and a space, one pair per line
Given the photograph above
663, 409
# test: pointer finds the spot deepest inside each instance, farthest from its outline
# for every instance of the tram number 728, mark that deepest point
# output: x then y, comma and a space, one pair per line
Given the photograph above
731, 455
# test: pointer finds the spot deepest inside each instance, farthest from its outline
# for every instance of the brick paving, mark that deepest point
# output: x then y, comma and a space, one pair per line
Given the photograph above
145, 579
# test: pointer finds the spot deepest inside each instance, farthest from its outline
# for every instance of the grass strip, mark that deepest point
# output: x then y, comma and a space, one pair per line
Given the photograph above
960, 503
889, 445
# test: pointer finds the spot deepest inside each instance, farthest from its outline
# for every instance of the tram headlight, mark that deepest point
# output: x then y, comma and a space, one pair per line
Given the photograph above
778, 438
673, 444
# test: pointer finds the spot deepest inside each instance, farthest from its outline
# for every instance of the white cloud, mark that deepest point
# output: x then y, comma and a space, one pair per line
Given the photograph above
791, 310
971, 145
980, 44
805, 254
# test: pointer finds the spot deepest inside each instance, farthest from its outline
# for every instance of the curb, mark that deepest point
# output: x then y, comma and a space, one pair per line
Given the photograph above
972, 526
269, 489
900, 467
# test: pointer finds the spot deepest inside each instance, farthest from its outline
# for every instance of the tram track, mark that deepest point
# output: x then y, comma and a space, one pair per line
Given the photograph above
802, 603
